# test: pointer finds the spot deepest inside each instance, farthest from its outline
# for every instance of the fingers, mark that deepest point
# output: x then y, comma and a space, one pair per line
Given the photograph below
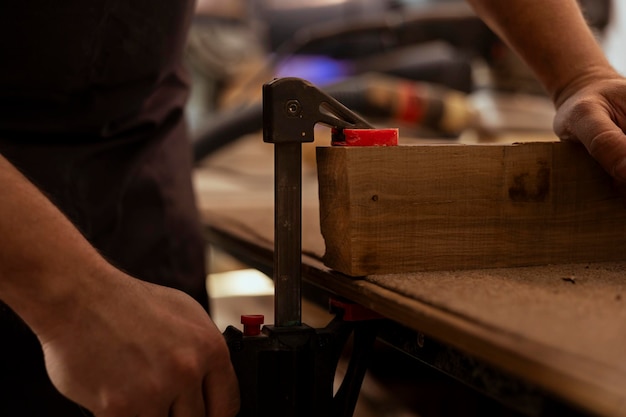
216, 392
217, 397
189, 404
609, 149
222, 392
595, 124
606, 143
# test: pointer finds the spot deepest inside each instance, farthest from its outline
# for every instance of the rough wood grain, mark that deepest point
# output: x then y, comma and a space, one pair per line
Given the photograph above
447, 207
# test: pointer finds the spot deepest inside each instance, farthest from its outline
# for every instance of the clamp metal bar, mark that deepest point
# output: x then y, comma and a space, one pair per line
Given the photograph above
288, 369
287, 234
291, 109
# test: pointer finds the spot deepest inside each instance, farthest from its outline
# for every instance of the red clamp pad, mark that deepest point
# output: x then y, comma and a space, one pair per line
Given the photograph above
252, 324
369, 137
353, 311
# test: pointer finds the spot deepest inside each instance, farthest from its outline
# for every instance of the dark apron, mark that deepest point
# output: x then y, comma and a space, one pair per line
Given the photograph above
91, 111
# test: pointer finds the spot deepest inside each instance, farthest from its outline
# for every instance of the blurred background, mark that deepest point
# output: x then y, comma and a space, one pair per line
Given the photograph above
430, 67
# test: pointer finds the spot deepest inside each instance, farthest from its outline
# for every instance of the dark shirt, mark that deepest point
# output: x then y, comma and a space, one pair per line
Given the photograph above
97, 67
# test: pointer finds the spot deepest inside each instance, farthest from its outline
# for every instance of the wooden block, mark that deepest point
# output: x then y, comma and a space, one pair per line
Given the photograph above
447, 207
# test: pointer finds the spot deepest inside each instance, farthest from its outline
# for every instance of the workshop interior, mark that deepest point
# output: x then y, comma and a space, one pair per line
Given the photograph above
428, 67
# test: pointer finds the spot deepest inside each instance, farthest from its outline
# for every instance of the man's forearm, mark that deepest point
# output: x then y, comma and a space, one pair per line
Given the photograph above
111, 343
43, 258
551, 36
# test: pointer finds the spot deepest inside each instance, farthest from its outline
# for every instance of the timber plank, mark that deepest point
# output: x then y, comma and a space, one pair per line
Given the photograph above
449, 207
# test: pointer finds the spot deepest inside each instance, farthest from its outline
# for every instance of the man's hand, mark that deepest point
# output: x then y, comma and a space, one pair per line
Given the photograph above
115, 345
142, 350
595, 115
554, 40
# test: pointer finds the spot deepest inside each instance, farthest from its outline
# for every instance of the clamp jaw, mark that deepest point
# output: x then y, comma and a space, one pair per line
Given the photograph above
288, 369
292, 107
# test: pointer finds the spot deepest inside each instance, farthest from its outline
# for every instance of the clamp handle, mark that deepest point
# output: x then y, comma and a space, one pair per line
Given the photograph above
293, 106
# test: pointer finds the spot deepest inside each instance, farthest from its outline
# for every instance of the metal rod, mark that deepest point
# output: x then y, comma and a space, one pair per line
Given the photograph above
287, 233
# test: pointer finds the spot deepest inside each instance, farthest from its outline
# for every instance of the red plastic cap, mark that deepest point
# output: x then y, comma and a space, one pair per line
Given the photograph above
369, 137
252, 324
353, 311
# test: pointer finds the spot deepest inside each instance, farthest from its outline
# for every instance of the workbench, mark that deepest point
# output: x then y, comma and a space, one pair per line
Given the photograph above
545, 340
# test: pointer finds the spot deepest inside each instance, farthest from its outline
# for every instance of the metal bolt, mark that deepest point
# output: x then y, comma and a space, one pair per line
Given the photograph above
293, 108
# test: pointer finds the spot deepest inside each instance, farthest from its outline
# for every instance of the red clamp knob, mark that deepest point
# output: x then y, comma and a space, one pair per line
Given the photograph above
252, 324
353, 311
368, 137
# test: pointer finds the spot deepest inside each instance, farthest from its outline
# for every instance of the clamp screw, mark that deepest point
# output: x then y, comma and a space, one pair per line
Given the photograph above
293, 108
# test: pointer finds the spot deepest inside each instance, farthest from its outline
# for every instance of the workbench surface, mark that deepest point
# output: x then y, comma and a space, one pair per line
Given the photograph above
561, 328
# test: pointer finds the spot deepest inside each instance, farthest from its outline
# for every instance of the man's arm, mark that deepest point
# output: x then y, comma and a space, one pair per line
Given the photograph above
551, 36
555, 41
114, 344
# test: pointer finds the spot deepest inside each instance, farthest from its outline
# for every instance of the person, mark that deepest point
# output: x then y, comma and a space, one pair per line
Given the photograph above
102, 280
553, 38
101, 272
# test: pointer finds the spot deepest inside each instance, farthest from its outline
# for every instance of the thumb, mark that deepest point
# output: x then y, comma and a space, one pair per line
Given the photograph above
590, 123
